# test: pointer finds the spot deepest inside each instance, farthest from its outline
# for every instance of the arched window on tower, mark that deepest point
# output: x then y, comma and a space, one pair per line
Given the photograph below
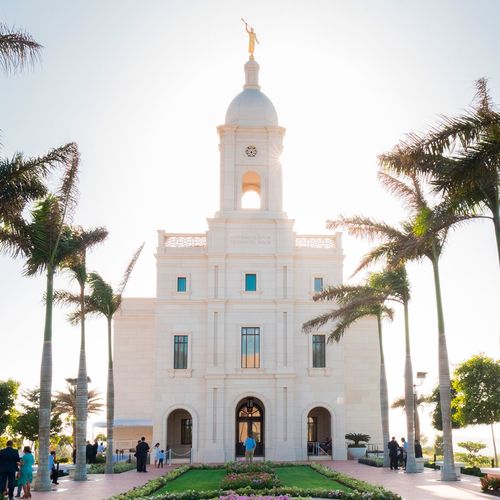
251, 190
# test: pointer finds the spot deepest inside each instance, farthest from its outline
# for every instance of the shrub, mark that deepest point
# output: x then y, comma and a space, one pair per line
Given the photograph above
117, 468
490, 484
240, 467
256, 480
357, 440
374, 462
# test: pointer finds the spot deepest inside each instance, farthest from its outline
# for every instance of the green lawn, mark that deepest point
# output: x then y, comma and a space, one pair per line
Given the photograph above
205, 480
306, 477
194, 479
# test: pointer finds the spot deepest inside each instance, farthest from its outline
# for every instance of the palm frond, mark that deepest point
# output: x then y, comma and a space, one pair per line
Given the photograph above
364, 227
128, 271
411, 195
340, 292
17, 49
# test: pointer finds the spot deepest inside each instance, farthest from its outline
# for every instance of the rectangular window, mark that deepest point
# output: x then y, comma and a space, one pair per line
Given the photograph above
318, 348
250, 347
180, 352
181, 284
186, 431
318, 284
250, 282
312, 429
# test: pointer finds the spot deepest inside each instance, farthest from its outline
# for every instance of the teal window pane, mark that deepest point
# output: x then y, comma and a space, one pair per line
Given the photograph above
250, 282
319, 358
318, 284
180, 352
181, 284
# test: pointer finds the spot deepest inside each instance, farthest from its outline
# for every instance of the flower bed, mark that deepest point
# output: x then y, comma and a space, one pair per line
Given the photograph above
117, 468
256, 480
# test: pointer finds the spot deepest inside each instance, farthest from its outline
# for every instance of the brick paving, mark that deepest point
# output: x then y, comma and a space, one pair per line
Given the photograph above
100, 486
426, 486
422, 486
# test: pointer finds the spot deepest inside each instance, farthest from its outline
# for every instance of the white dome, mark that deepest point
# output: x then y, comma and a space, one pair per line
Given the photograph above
251, 108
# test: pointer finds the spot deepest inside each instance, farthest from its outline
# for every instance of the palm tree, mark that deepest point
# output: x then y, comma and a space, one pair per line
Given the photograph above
355, 303
418, 401
422, 235
77, 266
67, 403
17, 49
461, 156
22, 179
46, 241
104, 301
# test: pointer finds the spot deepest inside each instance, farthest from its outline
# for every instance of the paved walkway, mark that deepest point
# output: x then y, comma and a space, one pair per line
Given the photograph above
426, 486
99, 486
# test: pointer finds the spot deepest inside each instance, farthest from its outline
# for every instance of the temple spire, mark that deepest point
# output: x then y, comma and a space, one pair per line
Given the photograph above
251, 75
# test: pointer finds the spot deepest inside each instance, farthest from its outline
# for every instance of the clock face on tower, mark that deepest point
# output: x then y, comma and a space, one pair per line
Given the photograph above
251, 151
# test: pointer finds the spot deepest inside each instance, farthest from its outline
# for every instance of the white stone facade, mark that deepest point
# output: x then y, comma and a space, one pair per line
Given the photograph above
194, 407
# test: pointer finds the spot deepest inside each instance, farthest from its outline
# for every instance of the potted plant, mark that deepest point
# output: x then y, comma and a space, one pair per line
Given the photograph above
357, 449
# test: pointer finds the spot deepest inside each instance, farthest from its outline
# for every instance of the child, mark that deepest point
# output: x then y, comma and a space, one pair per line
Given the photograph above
161, 458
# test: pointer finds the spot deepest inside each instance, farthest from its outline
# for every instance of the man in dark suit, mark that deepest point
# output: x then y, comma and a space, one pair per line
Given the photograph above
141, 451
9, 464
393, 453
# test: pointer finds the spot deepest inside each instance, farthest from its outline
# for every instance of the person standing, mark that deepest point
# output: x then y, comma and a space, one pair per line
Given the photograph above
141, 451
26, 474
95, 446
418, 449
250, 446
88, 452
54, 470
161, 458
404, 446
393, 446
9, 465
156, 453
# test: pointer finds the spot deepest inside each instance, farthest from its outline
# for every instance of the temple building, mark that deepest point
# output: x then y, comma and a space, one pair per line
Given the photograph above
219, 352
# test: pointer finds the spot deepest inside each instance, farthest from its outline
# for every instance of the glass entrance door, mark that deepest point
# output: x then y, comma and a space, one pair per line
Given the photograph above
250, 419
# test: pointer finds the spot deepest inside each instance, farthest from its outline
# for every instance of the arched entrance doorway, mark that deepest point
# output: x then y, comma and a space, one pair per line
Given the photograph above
250, 419
180, 433
319, 432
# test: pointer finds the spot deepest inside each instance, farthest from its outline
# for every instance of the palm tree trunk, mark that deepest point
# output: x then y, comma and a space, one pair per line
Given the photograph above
494, 445
448, 469
43, 474
496, 222
409, 403
384, 398
82, 397
110, 405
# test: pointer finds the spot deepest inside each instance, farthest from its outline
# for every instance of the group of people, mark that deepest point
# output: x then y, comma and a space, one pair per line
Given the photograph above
398, 453
92, 450
14, 467
158, 456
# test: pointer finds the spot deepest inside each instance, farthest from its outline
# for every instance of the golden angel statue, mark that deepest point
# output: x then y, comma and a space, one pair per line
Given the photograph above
252, 38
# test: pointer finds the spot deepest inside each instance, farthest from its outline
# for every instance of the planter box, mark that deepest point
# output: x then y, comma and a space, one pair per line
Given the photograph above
491, 472
458, 466
419, 462
355, 453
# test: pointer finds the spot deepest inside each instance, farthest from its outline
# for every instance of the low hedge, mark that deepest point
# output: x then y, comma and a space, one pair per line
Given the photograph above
117, 468
470, 471
373, 462
361, 489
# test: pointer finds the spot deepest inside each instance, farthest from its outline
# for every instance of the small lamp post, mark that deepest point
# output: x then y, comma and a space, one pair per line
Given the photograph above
420, 377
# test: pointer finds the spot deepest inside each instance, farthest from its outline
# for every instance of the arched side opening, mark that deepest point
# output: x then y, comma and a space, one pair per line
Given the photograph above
180, 433
251, 190
319, 432
250, 420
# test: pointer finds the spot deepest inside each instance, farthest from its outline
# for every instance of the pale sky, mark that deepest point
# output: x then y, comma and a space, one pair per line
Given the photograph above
141, 87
